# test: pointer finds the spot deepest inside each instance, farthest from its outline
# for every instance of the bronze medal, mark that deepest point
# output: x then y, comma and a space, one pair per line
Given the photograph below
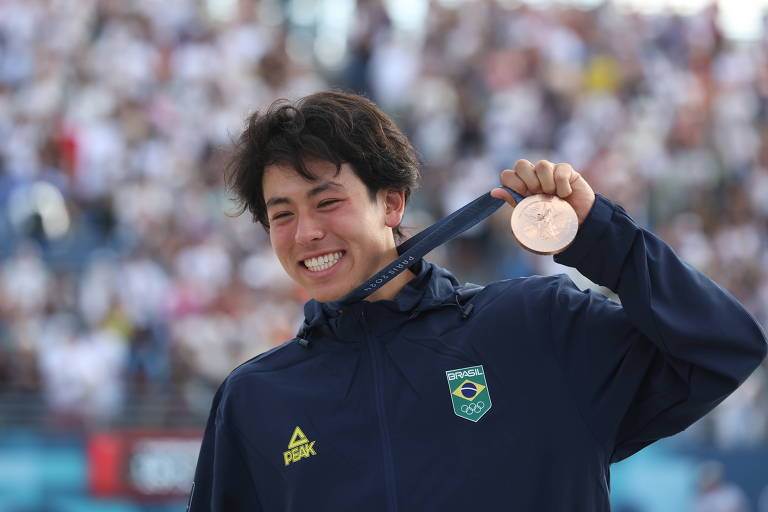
544, 224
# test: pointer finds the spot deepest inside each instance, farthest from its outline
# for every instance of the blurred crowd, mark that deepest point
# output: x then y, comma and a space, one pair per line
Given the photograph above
124, 274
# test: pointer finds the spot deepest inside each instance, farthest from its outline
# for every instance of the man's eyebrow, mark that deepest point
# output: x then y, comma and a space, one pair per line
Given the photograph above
323, 187
272, 201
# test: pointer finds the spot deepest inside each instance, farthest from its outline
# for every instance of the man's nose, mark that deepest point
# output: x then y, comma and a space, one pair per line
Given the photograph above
308, 230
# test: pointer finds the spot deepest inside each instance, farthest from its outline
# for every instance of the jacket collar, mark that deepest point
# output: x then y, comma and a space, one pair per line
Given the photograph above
432, 287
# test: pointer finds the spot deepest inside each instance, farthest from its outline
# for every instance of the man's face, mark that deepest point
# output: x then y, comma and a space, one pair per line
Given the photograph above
328, 234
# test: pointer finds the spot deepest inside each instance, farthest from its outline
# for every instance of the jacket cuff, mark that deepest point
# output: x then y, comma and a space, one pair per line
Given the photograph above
597, 221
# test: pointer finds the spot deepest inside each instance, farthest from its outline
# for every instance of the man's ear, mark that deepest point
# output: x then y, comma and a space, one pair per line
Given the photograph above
394, 202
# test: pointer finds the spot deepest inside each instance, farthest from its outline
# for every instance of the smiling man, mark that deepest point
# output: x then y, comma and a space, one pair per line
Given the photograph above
322, 231
431, 395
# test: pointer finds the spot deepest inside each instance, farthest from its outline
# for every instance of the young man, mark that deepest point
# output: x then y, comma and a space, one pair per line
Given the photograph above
429, 395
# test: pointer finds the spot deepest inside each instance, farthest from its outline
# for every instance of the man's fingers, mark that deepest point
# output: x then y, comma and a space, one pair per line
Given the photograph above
510, 179
523, 164
544, 171
526, 171
548, 178
544, 177
562, 176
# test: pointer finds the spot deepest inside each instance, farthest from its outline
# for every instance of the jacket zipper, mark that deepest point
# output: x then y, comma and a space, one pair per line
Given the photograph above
389, 471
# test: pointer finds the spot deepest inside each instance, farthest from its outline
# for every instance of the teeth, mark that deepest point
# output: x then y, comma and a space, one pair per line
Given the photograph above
322, 262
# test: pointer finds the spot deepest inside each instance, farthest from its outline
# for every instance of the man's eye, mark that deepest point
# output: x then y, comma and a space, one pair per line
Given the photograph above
329, 202
280, 215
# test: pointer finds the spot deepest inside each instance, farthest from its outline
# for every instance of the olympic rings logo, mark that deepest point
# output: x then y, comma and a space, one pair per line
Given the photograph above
473, 408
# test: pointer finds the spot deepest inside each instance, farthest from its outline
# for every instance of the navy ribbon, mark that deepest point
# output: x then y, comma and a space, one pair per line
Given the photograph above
413, 249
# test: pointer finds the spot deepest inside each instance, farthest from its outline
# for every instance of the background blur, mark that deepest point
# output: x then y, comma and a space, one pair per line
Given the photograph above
127, 293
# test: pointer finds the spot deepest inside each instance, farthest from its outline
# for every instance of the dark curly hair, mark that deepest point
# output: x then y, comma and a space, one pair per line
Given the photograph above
332, 126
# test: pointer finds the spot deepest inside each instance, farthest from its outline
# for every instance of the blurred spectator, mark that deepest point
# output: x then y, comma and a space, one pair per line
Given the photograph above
714, 494
81, 371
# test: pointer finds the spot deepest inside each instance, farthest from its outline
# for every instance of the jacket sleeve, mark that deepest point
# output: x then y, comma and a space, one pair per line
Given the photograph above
223, 480
676, 346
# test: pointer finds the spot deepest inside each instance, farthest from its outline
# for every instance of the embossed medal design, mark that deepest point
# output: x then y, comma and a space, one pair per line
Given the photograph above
544, 224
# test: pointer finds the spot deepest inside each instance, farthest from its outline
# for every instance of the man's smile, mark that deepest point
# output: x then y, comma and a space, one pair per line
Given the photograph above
323, 262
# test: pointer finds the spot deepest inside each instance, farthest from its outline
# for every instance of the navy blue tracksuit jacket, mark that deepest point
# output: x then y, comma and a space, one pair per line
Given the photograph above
362, 418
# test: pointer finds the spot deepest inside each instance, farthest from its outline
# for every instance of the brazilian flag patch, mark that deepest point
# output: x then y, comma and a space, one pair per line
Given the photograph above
470, 395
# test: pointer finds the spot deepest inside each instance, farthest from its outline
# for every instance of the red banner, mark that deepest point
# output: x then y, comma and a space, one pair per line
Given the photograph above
142, 464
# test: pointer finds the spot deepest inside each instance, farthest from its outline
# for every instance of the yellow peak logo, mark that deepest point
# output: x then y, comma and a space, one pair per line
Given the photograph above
299, 447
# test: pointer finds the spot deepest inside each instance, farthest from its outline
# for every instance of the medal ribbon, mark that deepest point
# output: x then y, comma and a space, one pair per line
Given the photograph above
413, 249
